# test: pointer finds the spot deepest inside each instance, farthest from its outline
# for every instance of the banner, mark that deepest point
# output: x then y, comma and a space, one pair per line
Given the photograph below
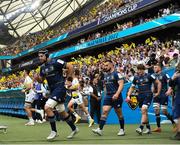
9, 92
7, 57
126, 9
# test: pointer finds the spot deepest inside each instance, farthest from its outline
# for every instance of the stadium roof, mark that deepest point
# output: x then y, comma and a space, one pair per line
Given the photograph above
21, 17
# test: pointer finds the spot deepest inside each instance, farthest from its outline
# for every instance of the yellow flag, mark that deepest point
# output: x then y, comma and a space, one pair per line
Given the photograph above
111, 52
150, 43
153, 38
118, 26
147, 41
38, 70
126, 46
100, 56
116, 51
133, 45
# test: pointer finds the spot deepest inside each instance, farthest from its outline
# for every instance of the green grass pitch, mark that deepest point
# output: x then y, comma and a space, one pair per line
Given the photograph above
18, 133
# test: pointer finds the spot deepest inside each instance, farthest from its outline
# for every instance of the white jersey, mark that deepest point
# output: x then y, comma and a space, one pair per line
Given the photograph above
75, 83
76, 95
29, 95
87, 90
27, 82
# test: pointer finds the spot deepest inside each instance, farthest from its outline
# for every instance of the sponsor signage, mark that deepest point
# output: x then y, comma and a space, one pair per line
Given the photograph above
126, 9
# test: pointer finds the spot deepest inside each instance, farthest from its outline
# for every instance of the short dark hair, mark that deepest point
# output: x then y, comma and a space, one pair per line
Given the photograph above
158, 64
45, 52
27, 71
70, 79
141, 67
76, 72
153, 55
108, 60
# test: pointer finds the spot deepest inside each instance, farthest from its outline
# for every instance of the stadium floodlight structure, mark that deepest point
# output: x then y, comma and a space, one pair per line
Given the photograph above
22, 17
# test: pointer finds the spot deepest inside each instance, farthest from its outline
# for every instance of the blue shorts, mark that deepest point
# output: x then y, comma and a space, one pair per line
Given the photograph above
58, 94
145, 99
162, 99
113, 103
176, 111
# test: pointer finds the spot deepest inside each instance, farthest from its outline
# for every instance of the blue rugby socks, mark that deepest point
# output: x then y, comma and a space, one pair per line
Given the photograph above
52, 123
121, 122
102, 122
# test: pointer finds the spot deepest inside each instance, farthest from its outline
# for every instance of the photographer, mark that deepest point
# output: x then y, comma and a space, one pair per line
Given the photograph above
175, 84
150, 64
95, 99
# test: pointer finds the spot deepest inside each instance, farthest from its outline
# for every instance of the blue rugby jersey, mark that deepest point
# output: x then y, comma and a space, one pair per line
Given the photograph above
111, 82
37, 87
144, 83
163, 78
176, 84
53, 72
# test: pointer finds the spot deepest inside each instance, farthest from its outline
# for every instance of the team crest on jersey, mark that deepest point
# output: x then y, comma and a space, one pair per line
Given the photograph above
60, 61
120, 75
146, 79
160, 77
133, 103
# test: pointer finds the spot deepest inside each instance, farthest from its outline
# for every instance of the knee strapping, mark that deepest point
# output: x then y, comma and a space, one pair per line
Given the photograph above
103, 118
68, 118
121, 118
157, 115
51, 119
144, 123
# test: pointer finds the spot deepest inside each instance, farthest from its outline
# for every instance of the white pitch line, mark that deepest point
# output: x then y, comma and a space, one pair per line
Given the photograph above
155, 115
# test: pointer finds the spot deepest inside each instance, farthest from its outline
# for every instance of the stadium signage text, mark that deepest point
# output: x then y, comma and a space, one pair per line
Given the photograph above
125, 10
97, 41
119, 13
103, 40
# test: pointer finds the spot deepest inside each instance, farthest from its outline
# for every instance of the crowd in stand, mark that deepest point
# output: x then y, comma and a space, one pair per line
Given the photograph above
125, 59
27, 42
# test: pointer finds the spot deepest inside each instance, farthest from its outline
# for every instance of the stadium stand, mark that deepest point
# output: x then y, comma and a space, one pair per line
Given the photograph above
29, 41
